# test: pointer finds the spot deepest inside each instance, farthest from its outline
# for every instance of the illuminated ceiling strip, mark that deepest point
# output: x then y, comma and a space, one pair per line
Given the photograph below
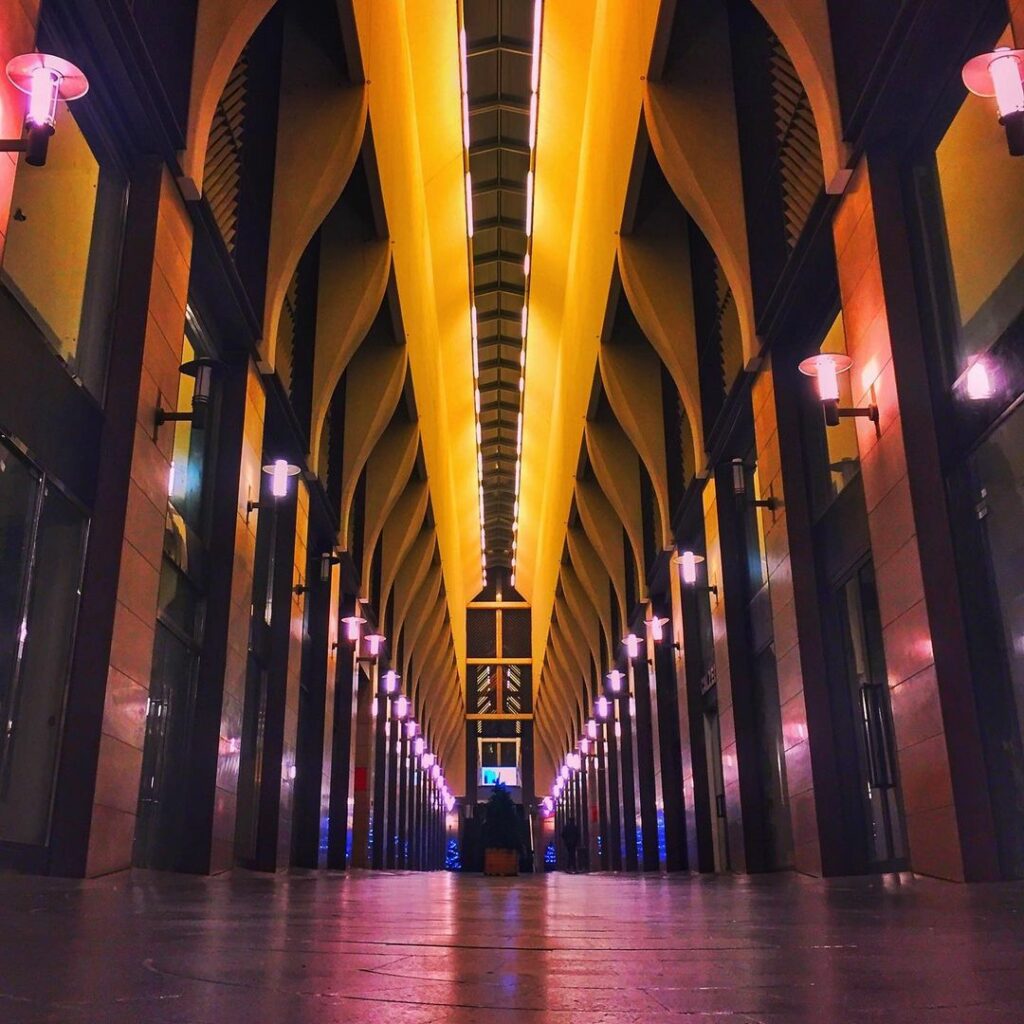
464, 83
538, 20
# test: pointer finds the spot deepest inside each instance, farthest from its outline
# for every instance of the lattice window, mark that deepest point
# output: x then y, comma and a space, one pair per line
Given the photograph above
800, 169
486, 690
222, 177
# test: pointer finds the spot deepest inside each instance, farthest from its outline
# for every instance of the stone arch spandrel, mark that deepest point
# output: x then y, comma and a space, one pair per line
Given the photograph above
616, 466
604, 528
309, 175
408, 546
593, 577
632, 381
387, 473
354, 275
376, 377
655, 272
691, 122
583, 611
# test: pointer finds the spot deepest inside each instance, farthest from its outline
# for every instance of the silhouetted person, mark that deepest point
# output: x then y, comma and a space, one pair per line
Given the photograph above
571, 838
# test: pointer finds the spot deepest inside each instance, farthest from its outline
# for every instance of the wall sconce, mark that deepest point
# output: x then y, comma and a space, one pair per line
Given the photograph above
390, 681
825, 368
419, 746
279, 471
327, 560
353, 624
410, 729
435, 771
615, 681
632, 644
574, 761
602, 706
374, 642
1001, 74
428, 761
45, 79
564, 773
739, 487
591, 730
688, 562
401, 707
202, 369
657, 627
584, 746
449, 803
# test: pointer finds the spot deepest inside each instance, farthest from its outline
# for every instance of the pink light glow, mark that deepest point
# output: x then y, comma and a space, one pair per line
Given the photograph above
1006, 81
390, 681
401, 707
688, 566
602, 707
373, 643
979, 381
42, 106
352, 627
615, 681
657, 628
592, 730
632, 642
419, 746
279, 479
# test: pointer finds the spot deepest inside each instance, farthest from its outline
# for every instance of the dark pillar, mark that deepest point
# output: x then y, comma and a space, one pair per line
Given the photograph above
378, 842
627, 739
647, 755
669, 744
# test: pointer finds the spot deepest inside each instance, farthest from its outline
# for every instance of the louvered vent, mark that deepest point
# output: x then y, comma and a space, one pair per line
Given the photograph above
284, 359
222, 177
800, 169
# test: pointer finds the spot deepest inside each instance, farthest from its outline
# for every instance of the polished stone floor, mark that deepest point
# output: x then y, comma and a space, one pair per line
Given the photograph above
414, 949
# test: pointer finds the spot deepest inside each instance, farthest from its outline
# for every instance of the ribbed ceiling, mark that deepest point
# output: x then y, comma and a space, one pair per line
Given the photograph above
499, 35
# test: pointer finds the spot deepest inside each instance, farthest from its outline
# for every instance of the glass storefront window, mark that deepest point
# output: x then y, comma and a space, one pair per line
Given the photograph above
981, 196
998, 467
63, 250
42, 544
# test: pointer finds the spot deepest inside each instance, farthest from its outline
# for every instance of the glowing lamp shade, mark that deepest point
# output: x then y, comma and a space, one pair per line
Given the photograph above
401, 707
584, 746
374, 641
978, 382
419, 746
825, 368
410, 730
564, 773
390, 681
435, 771
279, 471
352, 626
591, 730
632, 644
999, 74
688, 562
615, 681
449, 803
428, 762
657, 627
574, 762
45, 79
602, 707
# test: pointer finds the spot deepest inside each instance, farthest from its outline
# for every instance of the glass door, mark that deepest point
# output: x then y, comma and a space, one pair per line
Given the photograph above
42, 547
869, 696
